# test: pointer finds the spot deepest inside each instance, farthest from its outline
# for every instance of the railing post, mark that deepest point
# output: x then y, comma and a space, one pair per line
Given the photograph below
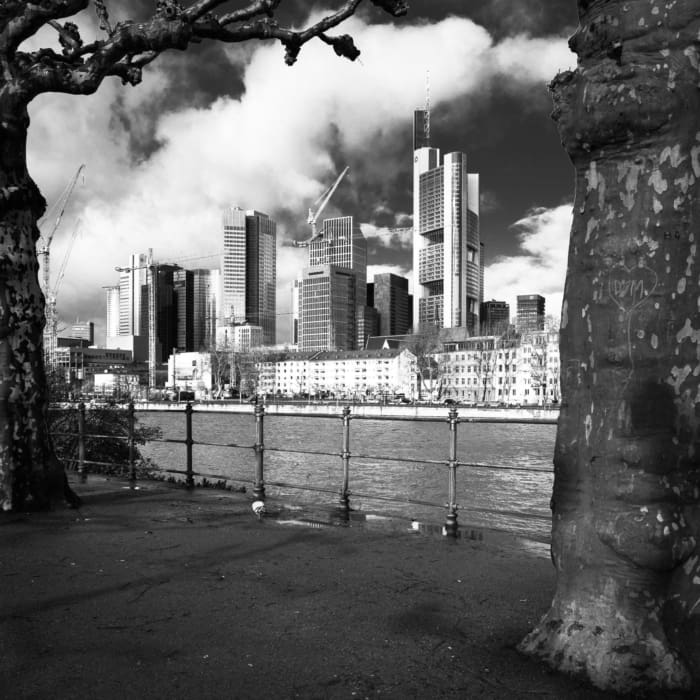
345, 456
259, 483
451, 526
132, 462
189, 476
82, 470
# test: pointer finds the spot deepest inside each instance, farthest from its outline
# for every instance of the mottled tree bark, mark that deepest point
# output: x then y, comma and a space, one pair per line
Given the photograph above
28, 472
626, 502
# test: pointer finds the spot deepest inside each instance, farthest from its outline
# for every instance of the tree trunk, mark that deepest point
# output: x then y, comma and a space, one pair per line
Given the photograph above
29, 473
626, 505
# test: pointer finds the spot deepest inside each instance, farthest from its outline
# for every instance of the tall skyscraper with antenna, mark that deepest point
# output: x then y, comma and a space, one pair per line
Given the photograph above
446, 240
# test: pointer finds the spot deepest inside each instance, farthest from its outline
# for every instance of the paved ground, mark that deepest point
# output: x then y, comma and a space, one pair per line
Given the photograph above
161, 593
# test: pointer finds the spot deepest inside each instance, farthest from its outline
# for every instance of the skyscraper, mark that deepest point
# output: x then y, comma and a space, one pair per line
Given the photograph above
213, 304
261, 274
250, 270
421, 134
332, 295
446, 240
83, 330
234, 265
112, 325
204, 295
166, 310
183, 287
328, 312
133, 302
495, 317
530, 313
391, 300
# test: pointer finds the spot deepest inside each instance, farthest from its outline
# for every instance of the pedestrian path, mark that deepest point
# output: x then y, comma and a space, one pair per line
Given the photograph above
163, 593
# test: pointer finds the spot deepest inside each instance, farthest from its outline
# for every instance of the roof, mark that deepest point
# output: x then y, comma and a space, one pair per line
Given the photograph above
358, 354
384, 342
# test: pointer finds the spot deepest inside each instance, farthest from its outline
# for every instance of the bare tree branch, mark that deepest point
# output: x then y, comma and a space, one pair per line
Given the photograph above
18, 25
259, 7
131, 45
103, 16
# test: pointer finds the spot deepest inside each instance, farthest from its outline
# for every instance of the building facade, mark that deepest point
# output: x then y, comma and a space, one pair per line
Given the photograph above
166, 320
495, 317
250, 270
327, 309
133, 296
522, 370
446, 241
183, 288
530, 315
79, 363
82, 330
261, 274
350, 375
191, 371
234, 266
116, 385
112, 321
247, 336
331, 298
390, 298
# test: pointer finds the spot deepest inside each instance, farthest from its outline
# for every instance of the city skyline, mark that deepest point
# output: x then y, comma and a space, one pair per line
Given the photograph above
488, 98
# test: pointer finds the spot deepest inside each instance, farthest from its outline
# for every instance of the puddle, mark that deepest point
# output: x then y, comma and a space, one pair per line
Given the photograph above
337, 517
314, 517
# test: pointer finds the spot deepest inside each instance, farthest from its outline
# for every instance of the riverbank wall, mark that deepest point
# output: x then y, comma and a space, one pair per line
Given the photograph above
528, 414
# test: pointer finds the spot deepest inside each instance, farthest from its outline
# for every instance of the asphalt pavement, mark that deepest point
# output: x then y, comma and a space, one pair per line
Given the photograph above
163, 593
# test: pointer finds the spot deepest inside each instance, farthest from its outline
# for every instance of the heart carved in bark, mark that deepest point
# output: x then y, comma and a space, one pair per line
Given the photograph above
629, 287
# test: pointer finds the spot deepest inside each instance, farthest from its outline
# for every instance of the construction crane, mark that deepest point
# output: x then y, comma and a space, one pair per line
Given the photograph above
51, 327
45, 240
313, 215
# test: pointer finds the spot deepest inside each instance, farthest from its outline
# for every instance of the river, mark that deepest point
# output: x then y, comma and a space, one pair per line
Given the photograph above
513, 497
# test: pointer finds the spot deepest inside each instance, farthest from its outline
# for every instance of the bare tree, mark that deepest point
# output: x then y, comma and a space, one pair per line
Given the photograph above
29, 471
221, 363
626, 501
424, 343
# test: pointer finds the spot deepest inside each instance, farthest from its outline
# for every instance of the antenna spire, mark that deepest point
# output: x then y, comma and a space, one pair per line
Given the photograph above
427, 108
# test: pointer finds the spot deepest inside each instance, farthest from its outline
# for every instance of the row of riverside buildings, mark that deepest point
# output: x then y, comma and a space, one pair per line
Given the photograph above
347, 337
518, 369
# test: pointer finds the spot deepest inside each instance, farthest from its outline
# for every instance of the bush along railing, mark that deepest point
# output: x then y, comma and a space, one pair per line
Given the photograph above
103, 439
115, 432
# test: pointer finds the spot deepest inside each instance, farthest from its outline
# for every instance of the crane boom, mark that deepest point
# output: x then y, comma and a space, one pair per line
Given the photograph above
62, 269
313, 216
47, 238
51, 327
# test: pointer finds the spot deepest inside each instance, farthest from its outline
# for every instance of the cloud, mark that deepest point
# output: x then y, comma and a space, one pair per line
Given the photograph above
389, 237
158, 177
540, 266
488, 202
399, 270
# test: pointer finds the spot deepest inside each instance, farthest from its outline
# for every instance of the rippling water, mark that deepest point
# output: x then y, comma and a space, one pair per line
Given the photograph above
385, 465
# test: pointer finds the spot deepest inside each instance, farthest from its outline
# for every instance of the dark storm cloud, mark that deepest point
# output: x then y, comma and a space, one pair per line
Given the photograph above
503, 17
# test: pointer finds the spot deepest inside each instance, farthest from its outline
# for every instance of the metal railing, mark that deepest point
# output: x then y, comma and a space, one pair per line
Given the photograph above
450, 527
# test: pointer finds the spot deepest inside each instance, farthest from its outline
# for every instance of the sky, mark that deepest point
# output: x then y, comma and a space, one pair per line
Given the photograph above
233, 125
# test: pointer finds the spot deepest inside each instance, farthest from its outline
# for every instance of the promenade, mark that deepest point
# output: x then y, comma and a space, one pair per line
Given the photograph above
164, 593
